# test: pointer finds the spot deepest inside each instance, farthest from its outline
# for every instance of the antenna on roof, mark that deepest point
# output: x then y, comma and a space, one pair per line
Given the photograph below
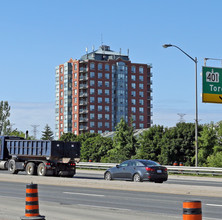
120, 51
87, 52
127, 52
93, 48
101, 39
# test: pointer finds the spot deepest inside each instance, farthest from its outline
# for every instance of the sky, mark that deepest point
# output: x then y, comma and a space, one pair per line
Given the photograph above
38, 35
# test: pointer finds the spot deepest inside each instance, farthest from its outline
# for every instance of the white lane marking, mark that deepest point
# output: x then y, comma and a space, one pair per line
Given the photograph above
84, 194
214, 205
104, 207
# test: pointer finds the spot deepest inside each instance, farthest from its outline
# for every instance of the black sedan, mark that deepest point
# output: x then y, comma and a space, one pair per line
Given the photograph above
138, 171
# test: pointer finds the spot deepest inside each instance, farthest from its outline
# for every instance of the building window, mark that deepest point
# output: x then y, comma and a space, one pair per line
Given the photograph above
75, 116
141, 110
92, 116
92, 107
61, 110
133, 101
106, 92
107, 116
133, 85
107, 75
140, 78
61, 94
92, 91
100, 99
107, 108
100, 91
75, 108
100, 131
92, 124
92, 74
141, 118
61, 69
106, 100
92, 66
106, 124
100, 108
100, 124
141, 94
140, 69
133, 69
92, 99
100, 75
92, 82
141, 101
75, 91
133, 77
141, 125
75, 67
75, 125
61, 78
92, 131
133, 93
61, 102
107, 67
141, 86
61, 117
75, 75
133, 109
107, 84
133, 117
100, 83
100, 116
100, 66
75, 100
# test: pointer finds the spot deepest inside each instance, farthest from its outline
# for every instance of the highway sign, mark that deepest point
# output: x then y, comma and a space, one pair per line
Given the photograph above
212, 84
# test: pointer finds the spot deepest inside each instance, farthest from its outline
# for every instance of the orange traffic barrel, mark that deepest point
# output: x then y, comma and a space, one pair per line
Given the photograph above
181, 163
32, 203
192, 210
175, 163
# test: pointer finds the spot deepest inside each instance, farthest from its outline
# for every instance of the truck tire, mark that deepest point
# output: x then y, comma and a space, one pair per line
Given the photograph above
12, 167
31, 168
41, 170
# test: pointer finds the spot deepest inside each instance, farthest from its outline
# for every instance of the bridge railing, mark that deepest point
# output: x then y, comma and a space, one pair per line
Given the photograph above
171, 169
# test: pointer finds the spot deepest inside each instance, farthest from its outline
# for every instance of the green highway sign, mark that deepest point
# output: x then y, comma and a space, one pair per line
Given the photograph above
212, 84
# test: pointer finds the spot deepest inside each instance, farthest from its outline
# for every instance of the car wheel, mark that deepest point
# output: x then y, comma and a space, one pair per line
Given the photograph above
12, 167
31, 169
41, 171
137, 178
107, 176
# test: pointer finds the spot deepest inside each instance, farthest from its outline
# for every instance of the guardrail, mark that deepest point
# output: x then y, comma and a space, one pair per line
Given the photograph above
214, 171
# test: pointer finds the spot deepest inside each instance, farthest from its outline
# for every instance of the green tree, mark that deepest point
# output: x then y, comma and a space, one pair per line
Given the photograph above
18, 133
4, 115
47, 134
68, 137
207, 141
150, 143
215, 160
178, 144
124, 143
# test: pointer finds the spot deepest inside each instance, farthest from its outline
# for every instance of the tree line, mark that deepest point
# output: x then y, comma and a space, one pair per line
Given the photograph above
162, 144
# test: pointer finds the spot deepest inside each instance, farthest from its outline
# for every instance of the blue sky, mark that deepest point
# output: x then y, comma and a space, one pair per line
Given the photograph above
36, 36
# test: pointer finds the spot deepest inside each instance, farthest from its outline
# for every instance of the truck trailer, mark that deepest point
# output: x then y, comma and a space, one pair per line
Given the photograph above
39, 157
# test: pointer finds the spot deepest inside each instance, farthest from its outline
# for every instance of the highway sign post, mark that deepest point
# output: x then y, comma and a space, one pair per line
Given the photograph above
212, 84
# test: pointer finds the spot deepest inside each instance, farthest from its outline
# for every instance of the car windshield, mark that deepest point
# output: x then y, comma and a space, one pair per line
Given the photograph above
150, 163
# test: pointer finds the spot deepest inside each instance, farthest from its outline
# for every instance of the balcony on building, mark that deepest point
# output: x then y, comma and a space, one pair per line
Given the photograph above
83, 77
83, 94
83, 110
83, 69
83, 128
83, 102
83, 86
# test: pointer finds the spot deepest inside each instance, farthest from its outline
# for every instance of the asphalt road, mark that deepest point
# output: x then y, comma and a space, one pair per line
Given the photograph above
88, 196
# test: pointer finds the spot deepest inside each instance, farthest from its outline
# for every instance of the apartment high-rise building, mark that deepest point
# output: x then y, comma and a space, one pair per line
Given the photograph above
96, 91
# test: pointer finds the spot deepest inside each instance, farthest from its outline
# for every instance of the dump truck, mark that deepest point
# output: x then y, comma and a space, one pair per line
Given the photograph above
39, 157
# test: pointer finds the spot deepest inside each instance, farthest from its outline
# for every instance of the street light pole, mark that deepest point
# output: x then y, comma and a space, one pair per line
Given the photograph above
196, 105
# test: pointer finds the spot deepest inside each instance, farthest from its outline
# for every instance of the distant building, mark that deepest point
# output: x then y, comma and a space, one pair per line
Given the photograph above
95, 92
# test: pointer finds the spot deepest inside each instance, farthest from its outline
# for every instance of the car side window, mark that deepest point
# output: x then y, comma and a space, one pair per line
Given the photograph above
133, 163
124, 164
139, 164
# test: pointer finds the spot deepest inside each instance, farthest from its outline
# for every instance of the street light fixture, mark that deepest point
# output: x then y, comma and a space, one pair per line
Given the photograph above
196, 105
